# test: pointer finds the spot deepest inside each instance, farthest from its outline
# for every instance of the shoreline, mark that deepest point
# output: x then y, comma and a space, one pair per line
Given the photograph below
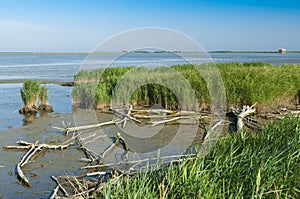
21, 81
111, 52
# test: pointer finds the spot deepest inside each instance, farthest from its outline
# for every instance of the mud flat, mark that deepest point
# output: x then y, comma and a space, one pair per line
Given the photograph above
47, 164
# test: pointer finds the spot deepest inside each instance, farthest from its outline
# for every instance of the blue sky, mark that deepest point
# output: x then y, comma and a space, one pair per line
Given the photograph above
56, 25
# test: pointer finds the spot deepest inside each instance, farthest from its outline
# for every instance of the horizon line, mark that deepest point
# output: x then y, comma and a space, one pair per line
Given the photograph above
145, 51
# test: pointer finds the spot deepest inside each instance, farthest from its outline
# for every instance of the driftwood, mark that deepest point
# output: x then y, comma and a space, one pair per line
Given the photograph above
126, 118
60, 187
90, 154
154, 111
54, 193
174, 119
241, 114
160, 113
96, 173
119, 139
78, 128
34, 148
172, 157
125, 115
208, 133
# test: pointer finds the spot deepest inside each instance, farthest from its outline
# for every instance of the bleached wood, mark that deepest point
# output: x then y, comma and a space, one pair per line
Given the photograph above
54, 193
78, 128
21, 175
125, 115
63, 190
174, 119
241, 114
96, 173
126, 118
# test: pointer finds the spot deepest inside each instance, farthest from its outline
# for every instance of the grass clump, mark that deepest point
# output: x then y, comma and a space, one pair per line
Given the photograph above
32, 93
245, 165
44, 100
29, 95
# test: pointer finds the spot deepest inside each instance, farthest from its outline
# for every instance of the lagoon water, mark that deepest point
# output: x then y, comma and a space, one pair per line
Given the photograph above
55, 68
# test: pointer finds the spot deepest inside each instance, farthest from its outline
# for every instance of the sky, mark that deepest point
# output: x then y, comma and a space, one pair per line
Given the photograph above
80, 25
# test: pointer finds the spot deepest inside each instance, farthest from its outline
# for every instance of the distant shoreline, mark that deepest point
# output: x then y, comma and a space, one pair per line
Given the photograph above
21, 81
109, 52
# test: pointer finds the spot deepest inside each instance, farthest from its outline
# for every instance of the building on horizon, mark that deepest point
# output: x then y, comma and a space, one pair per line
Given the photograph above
282, 50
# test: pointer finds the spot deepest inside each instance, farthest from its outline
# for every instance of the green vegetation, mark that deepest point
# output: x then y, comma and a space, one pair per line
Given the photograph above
244, 84
259, 82
43, 95
31, 93
43, 100
244, 165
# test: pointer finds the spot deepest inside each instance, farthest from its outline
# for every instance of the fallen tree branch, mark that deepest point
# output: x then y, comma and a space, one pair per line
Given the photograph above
187, 156
60, 186
78, 128
29, 155
125, 115
46, 146
241, 114
54, 193
23, 161
208, 133
174, 119
126, 118
119, 139
156, 111
96, 173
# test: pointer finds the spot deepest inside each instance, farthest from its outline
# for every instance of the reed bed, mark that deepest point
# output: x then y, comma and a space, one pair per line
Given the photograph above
243, 165
246, 83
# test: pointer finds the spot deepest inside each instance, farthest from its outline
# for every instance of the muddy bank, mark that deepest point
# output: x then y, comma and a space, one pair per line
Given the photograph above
47, 164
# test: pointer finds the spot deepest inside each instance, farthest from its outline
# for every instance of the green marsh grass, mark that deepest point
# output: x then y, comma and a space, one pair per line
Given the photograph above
43, 95
30, 92
247, 83
244, 165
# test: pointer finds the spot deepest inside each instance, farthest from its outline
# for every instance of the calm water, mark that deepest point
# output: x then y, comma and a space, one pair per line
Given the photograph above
56, 68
